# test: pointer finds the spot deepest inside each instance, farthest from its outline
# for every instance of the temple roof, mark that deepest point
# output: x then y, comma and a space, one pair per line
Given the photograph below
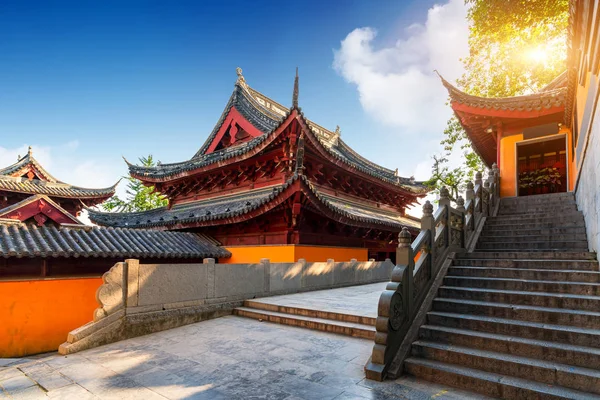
28, 176
266, 116
27, 240
226, 209
38, 204
478, 114
544, 99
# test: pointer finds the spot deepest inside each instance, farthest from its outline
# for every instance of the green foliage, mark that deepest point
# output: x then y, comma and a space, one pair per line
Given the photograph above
139, 197
515, 47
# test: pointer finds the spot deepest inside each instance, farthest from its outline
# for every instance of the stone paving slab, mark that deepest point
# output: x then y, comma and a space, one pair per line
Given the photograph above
359, 300
225, 358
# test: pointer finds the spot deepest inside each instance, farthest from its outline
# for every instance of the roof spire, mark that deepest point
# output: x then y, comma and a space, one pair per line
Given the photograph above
29, 151
295, 95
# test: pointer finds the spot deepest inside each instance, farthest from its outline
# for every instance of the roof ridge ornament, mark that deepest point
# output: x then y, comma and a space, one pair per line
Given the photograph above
296, 91
240, 78
29, 152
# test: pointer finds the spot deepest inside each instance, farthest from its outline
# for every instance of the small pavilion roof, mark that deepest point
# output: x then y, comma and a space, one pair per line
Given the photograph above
14, 178
242, 206
28, 240
478, 114
267, 115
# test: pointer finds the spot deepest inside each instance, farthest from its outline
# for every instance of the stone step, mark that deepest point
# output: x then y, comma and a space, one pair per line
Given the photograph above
557, 374
494, 237
516, 225
530, 245
520, 231
531, 330
566, 204
565, 275
356, 319
571, 217
539, 198
325, 325
586, 265
540, 299
581, 356
555, 316
581, 288
536, 209
563, 255
489, 384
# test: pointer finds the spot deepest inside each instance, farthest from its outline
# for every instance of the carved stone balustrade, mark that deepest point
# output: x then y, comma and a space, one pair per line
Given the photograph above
446, 231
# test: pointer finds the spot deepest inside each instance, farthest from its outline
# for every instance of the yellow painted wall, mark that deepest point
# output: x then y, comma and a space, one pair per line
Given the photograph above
291, 253
36, 316
508, 165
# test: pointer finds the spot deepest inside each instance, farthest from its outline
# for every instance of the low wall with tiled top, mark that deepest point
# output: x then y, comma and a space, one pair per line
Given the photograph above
137, 299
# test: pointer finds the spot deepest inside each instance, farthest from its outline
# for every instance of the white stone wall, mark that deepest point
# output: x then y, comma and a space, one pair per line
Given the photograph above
588, 188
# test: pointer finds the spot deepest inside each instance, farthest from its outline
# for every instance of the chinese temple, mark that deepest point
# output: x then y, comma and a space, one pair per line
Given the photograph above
268, 176
40, 234
525, 135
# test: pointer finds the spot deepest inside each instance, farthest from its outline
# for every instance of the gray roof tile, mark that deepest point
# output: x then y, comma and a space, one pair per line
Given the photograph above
28, 240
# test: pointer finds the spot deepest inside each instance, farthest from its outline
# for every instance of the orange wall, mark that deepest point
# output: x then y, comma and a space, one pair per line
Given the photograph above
508, 165
253, 254
318, 253
37, 315
572, 164
291, 253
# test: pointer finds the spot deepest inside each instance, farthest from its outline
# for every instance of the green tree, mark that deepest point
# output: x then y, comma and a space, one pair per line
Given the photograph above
139, 197
515, 47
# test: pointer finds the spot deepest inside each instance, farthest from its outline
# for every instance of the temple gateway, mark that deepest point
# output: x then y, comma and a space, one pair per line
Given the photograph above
268, 176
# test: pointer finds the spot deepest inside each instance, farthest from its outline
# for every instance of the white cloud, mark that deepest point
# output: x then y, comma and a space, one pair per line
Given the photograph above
397, 85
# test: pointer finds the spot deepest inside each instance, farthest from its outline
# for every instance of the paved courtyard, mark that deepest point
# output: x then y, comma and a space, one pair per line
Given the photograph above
225, 358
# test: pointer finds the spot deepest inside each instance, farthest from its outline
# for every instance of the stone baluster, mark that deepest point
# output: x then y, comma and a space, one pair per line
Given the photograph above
405, 256
460, 204
469, 193
496, 172
485, 210
445, 204
478, 193
428, 224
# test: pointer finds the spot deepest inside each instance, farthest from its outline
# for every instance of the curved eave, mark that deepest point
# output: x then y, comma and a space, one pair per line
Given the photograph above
56, 190
243, 93
279, 195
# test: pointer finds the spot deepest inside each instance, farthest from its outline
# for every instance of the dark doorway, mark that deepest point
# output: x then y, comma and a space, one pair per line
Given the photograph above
542, 166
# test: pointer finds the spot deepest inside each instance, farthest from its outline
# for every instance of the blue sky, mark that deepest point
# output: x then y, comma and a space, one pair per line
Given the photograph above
85, 82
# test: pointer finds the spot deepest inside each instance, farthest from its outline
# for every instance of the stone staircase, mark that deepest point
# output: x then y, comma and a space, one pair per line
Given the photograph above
347, 310
326, 321
520, 316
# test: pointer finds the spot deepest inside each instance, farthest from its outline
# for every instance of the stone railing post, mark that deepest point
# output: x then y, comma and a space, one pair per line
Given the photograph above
445, 204
460, 204
460, 207
478, 192
485, 195
469, 193
405, 256
428, 224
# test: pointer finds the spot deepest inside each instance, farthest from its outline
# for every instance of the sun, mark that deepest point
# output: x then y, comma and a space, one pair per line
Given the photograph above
538, 55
